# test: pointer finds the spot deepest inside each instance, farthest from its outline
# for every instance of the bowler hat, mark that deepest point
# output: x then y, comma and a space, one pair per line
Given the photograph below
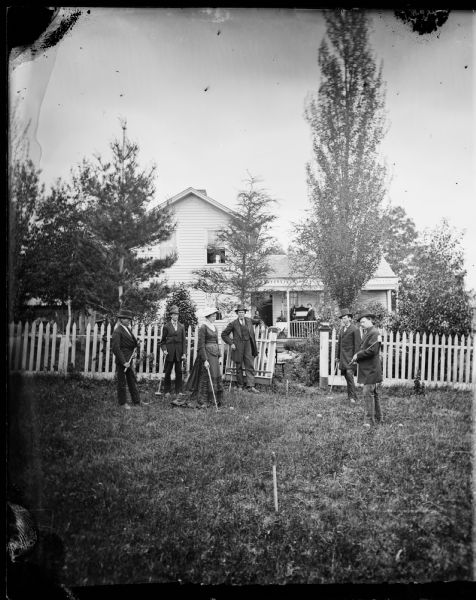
345, 312
369, 315
174, 310
125, 314
240, 307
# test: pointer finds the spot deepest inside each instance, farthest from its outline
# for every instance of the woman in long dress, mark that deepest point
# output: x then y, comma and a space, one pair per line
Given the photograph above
206, 366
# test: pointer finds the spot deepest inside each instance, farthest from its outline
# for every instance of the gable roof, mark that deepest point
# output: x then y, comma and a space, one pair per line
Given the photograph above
202, 194
279, 268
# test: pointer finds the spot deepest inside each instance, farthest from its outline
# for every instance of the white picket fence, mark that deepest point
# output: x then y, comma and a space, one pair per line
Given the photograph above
437, 360
38, 348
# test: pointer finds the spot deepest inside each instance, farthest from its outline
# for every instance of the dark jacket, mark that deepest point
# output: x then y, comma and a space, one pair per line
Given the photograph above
173, 341
348, 344
123, 343
368, 357
235, 328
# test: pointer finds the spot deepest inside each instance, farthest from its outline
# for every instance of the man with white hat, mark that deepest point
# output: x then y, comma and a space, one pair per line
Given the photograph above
243, 348
123, 345
173, 344
348, 344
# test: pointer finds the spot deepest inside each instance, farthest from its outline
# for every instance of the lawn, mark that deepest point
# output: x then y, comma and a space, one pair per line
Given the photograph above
162, 494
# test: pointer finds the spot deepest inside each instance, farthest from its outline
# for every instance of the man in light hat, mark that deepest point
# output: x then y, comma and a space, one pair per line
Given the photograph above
243, 348
173, 346
123, 344
348, 344
370, 368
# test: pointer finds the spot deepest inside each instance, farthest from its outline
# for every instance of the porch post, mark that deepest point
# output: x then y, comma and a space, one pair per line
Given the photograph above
288, 310
389, 300
324, 330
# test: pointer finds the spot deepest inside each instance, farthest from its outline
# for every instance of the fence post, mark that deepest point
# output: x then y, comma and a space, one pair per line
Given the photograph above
324, 355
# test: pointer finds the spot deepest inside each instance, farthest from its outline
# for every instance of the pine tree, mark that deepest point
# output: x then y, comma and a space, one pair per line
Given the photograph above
340, 242
64, 262
247, 243
26, 192
117, 196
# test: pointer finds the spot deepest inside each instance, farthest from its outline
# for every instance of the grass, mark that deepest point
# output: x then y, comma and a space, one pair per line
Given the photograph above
161, 494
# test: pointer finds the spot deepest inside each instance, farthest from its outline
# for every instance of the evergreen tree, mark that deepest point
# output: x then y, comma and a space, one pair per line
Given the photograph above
340, 242
26, 192
180, 296
65, 263
247, 243
117, 196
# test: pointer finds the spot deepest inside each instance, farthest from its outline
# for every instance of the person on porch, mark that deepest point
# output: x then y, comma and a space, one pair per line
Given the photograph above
123, 345
348, 343
370, 368
243, 348
173, 346
311, 313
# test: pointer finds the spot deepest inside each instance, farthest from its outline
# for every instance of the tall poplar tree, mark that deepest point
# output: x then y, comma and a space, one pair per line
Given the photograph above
247, 243
340, 241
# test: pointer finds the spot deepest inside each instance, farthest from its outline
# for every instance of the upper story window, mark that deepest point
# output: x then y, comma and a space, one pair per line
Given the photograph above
215, 248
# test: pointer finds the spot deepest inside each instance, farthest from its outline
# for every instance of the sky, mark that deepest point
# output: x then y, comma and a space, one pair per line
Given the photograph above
213, 96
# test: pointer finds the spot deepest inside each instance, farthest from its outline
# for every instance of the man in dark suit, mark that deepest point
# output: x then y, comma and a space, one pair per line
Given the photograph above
123, 344
348, 344
173, 347
243, 348
370, 368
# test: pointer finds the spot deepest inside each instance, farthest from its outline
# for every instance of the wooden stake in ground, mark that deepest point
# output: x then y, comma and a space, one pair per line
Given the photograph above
287, 386
275, 484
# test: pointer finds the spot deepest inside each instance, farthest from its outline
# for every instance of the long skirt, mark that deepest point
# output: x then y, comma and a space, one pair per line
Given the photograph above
199, 385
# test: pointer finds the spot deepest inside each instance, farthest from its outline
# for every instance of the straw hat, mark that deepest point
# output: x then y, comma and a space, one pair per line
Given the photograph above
209, 310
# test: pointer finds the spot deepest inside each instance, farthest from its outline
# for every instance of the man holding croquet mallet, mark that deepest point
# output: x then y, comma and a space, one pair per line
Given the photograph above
348, 344
243, 348
370, 368
124, 346
173, 345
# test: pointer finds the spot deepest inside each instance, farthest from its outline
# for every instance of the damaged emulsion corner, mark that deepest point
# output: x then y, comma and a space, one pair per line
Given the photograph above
423, 21
39, 28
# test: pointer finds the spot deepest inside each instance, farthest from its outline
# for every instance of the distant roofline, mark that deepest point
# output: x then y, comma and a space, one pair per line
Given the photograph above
383, 275
200, 194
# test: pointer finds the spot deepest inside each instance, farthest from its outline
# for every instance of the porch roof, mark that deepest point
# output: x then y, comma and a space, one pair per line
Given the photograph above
279, 277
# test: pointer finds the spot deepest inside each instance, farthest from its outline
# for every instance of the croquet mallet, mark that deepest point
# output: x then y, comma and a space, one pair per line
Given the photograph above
211, 385
129, 362
334, 375
158, 392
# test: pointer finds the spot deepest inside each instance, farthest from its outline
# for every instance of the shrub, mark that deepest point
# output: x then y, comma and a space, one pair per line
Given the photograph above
180, 296
306, 367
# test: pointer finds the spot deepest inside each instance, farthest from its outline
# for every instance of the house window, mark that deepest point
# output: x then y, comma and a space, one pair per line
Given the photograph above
168, 247
215, 248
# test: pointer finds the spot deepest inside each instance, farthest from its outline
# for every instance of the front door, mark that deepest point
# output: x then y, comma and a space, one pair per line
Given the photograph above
266, 311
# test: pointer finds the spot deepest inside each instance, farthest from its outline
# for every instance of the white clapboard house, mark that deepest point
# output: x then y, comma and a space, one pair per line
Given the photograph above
200, 217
